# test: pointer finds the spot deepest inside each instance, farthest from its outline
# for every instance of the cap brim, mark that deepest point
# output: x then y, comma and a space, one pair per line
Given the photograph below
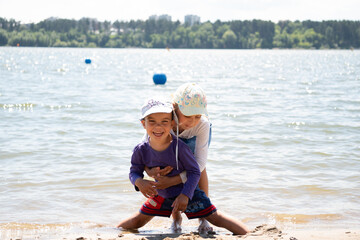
159, 109
189, 111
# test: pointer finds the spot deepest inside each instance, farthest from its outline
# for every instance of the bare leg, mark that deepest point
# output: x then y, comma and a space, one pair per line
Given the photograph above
204, 182
177, 219
204, 226
221, 220
136, 221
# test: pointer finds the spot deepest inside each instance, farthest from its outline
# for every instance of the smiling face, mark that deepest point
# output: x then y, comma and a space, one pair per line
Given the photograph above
187, 122
158, 126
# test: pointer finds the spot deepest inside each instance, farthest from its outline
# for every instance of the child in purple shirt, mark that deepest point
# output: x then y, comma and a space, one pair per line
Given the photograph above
145, 155
160, 150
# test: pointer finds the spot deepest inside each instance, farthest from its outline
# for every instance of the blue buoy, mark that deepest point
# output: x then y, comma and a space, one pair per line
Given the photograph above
159, 78
88, 61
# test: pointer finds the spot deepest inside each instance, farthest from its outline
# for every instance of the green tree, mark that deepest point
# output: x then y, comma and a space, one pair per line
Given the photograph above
42, 39
255, 33
254, 40
102, 40
60, 43
158, 41
329, 37
313, 38
229, 38
3, 37
205, 34
117, 26
221, 30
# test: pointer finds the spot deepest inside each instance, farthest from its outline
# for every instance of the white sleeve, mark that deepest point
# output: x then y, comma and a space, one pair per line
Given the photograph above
202, 145
183, 177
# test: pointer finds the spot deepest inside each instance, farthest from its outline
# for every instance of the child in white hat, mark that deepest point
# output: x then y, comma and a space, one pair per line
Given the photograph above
160, 150
194, 128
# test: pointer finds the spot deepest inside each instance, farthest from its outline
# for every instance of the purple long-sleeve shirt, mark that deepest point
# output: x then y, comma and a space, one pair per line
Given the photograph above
144, 155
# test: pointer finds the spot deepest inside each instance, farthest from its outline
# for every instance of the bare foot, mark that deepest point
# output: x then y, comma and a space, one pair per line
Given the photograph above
176, 225
204, 226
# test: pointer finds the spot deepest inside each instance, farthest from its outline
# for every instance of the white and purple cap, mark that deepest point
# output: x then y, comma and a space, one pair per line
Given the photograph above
155, 105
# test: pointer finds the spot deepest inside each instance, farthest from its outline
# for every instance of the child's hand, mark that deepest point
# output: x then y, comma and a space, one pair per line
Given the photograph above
152, 171
162, 182
165, 182
165, 171
156, 171
146, 187
180, 203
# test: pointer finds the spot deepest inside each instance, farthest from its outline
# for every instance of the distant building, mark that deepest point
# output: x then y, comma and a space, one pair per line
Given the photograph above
190, 20
161, 17
153, 17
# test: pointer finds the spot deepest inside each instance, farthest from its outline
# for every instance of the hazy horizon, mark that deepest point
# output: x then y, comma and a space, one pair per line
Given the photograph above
208, 10
174, 20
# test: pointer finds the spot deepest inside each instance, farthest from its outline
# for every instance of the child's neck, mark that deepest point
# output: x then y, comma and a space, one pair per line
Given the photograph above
180, 130
160, 146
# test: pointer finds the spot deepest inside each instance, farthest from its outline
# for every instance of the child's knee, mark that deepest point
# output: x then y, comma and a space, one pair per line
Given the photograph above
135, 222
140, 221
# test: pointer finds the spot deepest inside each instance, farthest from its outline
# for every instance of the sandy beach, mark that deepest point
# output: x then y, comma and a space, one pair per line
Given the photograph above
262, 232
275, 235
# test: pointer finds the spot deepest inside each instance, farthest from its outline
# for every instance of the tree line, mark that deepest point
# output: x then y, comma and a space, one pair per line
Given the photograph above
248, 34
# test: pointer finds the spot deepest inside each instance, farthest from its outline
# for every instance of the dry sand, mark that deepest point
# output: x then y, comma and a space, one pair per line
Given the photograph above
264, 232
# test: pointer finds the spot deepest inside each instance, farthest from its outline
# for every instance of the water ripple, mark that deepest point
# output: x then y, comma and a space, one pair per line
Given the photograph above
285, 141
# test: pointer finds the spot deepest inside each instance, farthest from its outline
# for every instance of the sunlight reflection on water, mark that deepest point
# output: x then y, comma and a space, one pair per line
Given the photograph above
285, 143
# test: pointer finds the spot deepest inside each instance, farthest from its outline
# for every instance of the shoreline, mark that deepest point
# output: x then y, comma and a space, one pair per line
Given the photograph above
262, 232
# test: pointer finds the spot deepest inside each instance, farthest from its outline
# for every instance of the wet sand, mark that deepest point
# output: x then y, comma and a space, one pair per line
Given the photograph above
263, 232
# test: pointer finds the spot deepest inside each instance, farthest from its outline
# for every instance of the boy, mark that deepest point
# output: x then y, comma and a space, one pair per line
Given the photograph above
159, 150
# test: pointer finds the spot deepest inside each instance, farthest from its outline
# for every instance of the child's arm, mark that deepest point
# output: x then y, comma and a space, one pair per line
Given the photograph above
146, 187
156, 171
201, 152
187, 159
180, 203
164, 182
202, 142
193, 175
136, 175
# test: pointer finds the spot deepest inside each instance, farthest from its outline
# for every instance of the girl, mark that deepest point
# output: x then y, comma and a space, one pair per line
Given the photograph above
193, 127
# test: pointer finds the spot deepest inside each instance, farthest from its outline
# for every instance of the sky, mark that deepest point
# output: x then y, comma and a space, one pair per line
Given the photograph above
27, 11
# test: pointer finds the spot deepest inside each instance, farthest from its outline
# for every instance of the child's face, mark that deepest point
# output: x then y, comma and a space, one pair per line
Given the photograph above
187, 122
158, 125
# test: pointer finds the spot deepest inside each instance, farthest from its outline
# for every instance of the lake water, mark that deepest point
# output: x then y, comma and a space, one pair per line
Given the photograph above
285, 147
